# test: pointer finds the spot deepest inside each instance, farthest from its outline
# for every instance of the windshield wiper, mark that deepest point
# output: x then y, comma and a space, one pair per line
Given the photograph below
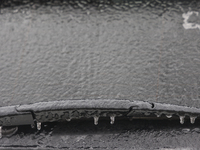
38, 113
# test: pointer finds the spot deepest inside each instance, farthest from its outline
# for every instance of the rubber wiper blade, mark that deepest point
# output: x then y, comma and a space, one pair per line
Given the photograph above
65, 110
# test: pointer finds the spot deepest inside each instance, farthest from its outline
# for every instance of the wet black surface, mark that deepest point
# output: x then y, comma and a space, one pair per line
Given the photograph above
137, 50
124, 134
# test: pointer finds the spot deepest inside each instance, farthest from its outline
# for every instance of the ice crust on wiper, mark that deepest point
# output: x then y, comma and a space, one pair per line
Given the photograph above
65, 110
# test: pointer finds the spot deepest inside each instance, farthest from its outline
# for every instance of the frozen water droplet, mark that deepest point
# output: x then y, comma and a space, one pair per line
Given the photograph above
182, 119
196, 130
0, 131
32, 126
158, 115
192, 120
96, 119
146, 113
186, 130
169, 116
112, 119
68, 119
39, 125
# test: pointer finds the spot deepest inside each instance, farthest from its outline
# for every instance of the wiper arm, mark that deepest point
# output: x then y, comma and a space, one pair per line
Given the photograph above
37, 113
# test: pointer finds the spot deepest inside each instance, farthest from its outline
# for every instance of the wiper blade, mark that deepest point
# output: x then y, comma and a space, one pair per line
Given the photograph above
37, 113
76, 109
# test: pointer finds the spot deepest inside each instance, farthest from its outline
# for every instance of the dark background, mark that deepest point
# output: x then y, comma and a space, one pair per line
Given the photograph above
124, 134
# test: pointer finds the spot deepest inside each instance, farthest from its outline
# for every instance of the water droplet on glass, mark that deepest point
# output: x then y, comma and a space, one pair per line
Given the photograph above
96, 119
182, 119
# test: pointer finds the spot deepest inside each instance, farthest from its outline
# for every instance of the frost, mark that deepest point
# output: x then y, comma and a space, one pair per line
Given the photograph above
188, 25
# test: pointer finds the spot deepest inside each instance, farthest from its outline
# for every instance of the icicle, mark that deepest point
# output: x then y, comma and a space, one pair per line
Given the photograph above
192, 120
182, 119
39, 125
0, 131
96, 119
112, 119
